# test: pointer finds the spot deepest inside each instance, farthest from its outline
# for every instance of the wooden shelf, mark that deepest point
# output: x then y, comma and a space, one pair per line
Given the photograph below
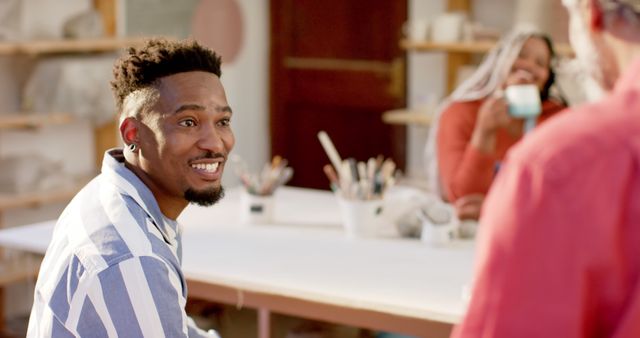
68, 46
479, 47
455, 47
33, 120
407, 117
36, 199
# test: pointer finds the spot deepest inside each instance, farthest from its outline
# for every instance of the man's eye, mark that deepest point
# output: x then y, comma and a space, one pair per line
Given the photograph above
225, 122
188, 123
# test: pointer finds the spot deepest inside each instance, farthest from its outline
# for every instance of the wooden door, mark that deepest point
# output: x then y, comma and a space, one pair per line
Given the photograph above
336, 66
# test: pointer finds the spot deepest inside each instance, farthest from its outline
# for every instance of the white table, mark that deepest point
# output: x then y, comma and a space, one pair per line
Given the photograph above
303, 265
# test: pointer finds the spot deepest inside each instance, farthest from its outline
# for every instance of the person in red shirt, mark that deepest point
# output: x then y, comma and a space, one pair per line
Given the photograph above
475, 129
559, 236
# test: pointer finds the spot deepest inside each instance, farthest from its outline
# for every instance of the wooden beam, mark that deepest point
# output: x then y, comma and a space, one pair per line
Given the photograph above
459, 5
33, 120
264, 323
36, 199
470, 47
107, 8
3, 312
41, 47
454, 62
351, 316
105, 136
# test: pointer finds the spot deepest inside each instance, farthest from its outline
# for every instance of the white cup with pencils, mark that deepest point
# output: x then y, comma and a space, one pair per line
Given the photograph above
361, 218
257, 200
359, 188
256, 209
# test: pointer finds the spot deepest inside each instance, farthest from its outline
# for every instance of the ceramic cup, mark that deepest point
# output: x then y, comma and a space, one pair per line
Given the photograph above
416, 30
361, 218
448, 27
523, 100
439, 224
256, 209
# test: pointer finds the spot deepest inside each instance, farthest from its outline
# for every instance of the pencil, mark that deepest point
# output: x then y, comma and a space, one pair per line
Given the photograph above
331, 151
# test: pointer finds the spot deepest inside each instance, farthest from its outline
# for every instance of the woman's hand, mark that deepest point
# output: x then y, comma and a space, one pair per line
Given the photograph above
492, 115
469, 206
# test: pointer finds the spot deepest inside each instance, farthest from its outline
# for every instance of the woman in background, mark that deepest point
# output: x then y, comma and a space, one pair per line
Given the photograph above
474, 130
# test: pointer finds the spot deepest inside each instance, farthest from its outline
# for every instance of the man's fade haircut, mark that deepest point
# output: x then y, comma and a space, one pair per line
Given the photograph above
141, 67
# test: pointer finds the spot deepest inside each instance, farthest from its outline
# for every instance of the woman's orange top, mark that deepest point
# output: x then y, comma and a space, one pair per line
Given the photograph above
463, 169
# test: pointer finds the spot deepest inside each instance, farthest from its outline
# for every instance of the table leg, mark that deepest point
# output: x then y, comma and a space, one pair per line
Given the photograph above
264, 323
2, 310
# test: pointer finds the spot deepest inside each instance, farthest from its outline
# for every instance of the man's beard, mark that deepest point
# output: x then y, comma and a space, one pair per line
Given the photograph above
205, 197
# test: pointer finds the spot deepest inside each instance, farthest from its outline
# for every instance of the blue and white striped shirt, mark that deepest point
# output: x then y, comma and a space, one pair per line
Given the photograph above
113, 268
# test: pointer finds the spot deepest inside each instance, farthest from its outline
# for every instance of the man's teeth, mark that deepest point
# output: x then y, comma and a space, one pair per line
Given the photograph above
209, 167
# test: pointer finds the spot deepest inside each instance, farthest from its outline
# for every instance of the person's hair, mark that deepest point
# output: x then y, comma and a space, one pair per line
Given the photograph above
142, 67
544, 93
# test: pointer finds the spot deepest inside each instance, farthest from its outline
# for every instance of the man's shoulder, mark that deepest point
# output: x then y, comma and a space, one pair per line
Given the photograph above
581, 135
103, 230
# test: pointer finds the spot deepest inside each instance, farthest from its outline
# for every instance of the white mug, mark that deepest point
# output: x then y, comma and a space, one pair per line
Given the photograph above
448, 27
256, 209
416, 30
361, 218
439, 224
524, 100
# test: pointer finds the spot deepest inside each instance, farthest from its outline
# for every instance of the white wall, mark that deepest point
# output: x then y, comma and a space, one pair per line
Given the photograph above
426, 75
496, 13
245, 81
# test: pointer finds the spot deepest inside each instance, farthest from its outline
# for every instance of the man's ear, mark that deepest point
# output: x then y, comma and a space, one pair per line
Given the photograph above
129, 130
596, 15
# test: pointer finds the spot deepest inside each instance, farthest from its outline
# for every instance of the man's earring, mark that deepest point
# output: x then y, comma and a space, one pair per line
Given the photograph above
133, 147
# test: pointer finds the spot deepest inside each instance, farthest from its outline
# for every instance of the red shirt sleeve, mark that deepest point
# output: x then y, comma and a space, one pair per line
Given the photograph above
463, 169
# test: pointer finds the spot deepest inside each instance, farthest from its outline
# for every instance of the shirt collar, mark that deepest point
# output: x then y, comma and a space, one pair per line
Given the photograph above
630, 78
114, 170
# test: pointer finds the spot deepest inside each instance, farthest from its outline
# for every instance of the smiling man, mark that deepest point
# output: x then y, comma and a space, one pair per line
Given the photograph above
113, 268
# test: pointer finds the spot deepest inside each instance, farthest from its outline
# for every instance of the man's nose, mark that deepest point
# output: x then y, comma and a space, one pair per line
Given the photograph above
211, 139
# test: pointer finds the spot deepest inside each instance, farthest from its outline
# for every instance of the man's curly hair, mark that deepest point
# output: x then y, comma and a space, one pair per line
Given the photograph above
142, 67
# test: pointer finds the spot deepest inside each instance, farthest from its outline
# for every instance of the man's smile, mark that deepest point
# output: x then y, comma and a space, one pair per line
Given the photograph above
208, 169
